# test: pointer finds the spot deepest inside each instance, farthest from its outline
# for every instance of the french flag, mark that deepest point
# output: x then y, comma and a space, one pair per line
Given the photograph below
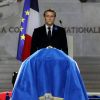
30, 20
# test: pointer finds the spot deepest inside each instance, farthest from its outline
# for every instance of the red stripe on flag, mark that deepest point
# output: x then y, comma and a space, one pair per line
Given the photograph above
27, 47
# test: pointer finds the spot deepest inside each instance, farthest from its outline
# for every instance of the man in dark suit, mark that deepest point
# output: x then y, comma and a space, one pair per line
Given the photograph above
49, 34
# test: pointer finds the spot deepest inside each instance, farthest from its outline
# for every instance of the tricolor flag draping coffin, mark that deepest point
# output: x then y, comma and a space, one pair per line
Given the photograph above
30, 20
49, 74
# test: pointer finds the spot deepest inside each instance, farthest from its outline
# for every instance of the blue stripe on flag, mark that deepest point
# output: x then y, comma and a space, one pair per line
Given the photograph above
34, 5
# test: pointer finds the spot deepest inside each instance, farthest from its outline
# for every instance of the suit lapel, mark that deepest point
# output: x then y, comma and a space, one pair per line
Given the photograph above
54, 31
44, 30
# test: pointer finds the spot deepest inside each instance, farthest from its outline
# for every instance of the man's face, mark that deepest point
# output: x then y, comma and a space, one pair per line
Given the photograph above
49, 18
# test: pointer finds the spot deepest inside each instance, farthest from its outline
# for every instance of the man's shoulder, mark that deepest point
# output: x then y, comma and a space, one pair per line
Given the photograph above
39, 28
58, 27
42, 27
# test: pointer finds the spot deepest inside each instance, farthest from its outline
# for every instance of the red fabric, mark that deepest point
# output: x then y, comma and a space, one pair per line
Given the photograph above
27, 47
3, 95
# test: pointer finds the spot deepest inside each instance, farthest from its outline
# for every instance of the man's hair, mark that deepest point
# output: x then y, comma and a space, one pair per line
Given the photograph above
49, 10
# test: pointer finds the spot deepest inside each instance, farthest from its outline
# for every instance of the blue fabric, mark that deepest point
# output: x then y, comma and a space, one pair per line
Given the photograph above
49, 71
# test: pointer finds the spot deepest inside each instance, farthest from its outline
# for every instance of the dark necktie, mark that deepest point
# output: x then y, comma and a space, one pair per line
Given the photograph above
49, 32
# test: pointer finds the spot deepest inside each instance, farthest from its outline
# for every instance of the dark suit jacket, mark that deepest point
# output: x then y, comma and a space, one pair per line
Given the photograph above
40, 39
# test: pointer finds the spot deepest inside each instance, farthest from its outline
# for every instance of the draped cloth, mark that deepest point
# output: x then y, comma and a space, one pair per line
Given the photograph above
49, 74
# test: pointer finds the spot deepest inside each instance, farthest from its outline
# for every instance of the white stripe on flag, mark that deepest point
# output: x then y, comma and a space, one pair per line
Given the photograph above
33, 21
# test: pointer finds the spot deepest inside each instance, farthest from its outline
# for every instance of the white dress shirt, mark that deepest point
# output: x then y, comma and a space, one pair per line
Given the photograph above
51, 27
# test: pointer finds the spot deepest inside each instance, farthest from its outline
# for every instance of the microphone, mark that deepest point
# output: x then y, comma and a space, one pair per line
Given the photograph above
61, 23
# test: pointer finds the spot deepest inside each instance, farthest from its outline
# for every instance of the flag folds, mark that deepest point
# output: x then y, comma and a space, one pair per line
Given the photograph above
49, 74
30, 20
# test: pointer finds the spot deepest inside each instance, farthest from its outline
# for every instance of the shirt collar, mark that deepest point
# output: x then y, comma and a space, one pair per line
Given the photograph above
48, 26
